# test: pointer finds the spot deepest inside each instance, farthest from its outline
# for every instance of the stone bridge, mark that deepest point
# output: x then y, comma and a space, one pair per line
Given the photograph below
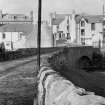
74, 57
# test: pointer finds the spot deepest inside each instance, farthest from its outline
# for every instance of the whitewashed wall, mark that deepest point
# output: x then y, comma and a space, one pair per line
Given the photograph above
13, 37
91, 36
73, 28
46, 34
63, 25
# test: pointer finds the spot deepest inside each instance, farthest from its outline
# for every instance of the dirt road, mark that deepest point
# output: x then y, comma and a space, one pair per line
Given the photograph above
18, 79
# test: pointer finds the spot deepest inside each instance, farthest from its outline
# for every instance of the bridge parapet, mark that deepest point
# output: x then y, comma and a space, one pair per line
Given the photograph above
54, 89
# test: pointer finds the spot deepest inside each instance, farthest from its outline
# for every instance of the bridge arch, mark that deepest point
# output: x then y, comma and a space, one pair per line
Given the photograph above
84, 62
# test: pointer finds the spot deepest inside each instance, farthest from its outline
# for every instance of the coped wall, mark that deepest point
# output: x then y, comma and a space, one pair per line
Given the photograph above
54, 89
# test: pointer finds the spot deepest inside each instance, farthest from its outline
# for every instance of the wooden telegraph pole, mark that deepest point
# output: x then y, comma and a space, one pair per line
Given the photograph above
39, 33
38, 47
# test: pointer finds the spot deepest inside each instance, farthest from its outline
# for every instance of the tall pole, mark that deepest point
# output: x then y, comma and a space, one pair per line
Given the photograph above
36, 102
39, 33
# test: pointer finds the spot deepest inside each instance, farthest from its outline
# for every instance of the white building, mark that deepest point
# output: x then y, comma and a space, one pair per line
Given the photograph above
12, 40
14, 28
14, 35
47, 39
63, 27
6, 18
80, 29
89, 31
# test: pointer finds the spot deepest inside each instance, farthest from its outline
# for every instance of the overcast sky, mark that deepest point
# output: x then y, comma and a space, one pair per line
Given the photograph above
24, 6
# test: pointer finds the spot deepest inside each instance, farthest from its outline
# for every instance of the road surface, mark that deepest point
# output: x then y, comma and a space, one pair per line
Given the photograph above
18, 79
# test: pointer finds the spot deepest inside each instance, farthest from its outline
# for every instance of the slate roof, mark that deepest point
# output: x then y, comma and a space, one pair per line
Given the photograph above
57, 21
90, 18
94, 19
59, 18
26, 28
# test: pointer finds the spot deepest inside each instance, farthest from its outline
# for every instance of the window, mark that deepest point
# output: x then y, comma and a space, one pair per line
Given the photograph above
63, 35
82, 32
58, 27
60, 35
93, 34
82, 23
67, 21
104, 29
20, 35
25, 17
67, 27
3, 36
103, 22
68, 36
83, 41
8, 44
15, 17
92, 26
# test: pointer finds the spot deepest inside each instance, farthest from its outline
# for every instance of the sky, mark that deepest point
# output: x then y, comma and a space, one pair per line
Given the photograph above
48, 6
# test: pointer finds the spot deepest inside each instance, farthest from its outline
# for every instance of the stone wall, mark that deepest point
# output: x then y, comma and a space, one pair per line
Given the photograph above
71, 56
54, 89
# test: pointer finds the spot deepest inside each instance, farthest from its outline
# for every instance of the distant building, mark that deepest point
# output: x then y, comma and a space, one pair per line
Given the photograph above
90, 30
47, 39
14, 28
14, 35
77, 28
63, 27
15, 18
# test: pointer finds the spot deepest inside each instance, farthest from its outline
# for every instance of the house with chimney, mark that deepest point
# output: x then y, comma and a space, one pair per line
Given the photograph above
14, 28
14, 35
90, 30
80, 29
63, 28
6, 18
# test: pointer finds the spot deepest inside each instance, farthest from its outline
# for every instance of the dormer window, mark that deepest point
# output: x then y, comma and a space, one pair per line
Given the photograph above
82, 23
